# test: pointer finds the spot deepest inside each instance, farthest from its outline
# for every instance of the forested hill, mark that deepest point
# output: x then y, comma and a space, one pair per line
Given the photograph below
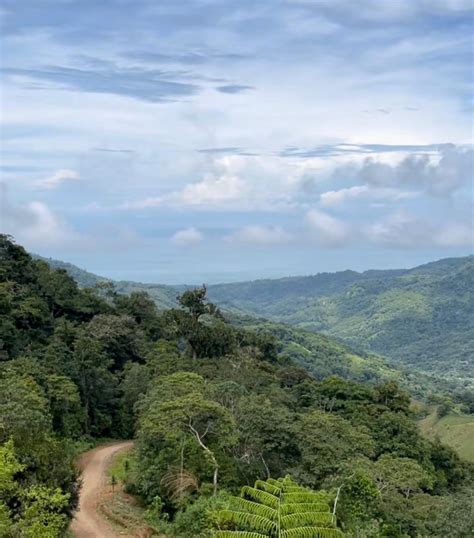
164, 296
419, 317
213, 407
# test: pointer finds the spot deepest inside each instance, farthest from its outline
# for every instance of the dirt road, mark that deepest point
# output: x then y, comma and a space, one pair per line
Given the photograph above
88, 523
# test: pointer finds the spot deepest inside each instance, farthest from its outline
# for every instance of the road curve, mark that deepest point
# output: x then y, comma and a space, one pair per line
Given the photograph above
88, 522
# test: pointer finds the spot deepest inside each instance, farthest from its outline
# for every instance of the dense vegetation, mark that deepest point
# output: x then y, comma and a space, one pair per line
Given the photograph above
213, 407
420, 318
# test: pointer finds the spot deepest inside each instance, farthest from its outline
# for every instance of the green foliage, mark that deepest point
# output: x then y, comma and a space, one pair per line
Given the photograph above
38, 510
179, 415
203, 339
418, 317
326, 441
278, 508
214, 406
44, 513
195, 520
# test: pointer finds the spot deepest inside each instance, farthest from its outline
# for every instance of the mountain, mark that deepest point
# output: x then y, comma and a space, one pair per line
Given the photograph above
420, 317
164, 296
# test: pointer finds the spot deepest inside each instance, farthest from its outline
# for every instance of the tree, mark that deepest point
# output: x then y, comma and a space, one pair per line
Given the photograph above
119, 337
135, 380
400, 474
28, 511
65, 405
24, 415
179, 424
44, 512
196, 304
197, 335
390, 395
326, 441
141, 307
267, 441
9, 467
278, 509
96, 383
207, 423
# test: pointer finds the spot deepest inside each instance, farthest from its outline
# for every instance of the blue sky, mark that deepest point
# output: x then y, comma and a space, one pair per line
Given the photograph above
219, 140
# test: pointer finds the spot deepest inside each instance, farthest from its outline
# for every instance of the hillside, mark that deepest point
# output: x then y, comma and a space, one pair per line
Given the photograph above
164, 296
454, 430
212, 406
419, 317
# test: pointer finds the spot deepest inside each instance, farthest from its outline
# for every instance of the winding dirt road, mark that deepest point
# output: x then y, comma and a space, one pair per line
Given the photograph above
88, 522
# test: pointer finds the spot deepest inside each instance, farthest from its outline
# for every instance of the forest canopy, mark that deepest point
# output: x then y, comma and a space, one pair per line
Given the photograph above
213, 407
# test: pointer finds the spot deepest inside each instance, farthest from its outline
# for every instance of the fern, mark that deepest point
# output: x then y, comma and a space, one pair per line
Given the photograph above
306, 518
278, 509
311, 532
237, 534
261, 496
299, 508
301, 497
244, 505
259, 523
270, 488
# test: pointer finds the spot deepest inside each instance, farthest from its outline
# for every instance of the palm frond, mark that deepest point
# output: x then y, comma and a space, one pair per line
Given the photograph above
179, 482
274, 482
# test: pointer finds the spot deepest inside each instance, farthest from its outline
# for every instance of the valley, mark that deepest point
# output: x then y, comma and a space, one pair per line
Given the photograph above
225, 409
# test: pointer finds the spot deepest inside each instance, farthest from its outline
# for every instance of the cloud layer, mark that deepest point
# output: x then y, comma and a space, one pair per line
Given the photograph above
290, 136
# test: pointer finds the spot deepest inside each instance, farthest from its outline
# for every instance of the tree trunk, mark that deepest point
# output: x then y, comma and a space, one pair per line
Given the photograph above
210, 453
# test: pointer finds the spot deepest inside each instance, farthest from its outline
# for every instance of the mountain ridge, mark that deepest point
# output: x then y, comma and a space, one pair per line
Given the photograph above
420, 317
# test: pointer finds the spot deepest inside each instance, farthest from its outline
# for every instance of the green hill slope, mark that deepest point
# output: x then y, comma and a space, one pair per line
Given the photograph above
419, 317
164, 296
456, 431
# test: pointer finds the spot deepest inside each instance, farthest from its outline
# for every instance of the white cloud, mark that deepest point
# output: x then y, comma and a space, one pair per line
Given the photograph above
187, 237
438, 175
403, 229
34, 223
398, 229
211, 192
232, 182
363, 192
260, 235
58, 178
455, 235
333, 198
147, 203
326, 229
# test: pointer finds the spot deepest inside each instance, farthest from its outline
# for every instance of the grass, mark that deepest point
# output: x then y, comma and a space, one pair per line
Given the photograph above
119, 466
125, 514
122, 510
456, 431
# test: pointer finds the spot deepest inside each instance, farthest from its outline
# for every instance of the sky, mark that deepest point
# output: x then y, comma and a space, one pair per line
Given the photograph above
222, 140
